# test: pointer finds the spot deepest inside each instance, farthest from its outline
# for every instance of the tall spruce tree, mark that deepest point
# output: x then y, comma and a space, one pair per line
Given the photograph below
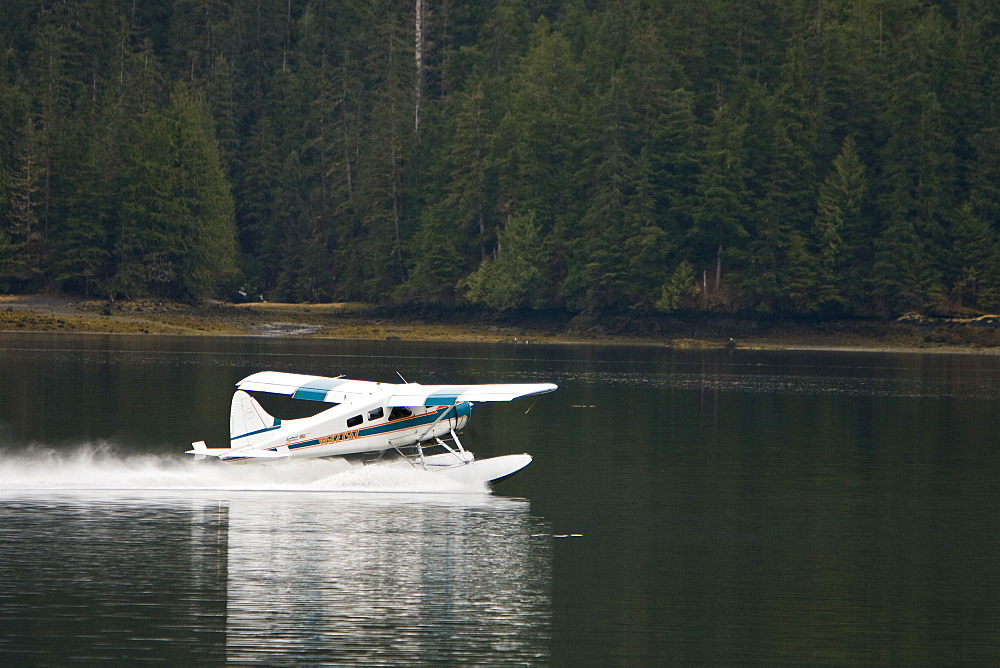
376, 256
840, 233
13, 153
177, 234
723, 210
22, 236
518, 276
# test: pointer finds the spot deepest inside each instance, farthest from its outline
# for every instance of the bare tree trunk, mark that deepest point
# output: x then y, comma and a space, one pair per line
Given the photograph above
718, 268
394, 159
418, 54
482, 228
288, 37
396, 216
347, 130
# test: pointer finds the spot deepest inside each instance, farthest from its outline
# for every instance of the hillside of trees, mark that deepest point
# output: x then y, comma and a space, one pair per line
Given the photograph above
828, 157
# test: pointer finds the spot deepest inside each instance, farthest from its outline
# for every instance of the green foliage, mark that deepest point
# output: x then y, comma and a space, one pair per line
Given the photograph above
177, 223
23, 234
538, 139
831, 157
975, 261
517, 276
902, 279
722, 212
679, 290
438, 262
839, 232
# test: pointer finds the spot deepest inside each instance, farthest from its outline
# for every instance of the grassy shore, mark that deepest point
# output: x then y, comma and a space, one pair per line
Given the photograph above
40, 313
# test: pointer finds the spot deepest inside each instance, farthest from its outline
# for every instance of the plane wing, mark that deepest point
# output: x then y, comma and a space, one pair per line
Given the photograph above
341, 390
415, 394
313, 388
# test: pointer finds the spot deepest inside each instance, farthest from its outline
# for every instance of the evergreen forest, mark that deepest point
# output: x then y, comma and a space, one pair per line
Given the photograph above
798, 157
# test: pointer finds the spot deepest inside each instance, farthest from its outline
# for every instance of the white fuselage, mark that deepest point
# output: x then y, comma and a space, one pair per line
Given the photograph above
358, 427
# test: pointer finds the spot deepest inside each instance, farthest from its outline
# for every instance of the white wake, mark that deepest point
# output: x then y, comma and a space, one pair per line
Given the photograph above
101, 467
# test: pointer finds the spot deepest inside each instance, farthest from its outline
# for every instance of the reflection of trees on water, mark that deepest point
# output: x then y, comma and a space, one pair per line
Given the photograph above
399, 578
99, 580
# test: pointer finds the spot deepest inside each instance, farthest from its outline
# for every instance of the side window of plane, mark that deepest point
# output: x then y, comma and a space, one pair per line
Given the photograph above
354, 421
376, 413
399, 412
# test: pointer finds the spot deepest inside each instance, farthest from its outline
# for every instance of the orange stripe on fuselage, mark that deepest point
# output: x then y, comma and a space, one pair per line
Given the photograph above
320, 443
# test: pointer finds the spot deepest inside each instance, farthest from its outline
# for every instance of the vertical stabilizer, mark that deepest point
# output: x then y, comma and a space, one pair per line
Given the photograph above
249, 424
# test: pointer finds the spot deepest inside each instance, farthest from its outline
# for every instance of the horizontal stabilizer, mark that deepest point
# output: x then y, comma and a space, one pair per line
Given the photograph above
235, 453
201, 450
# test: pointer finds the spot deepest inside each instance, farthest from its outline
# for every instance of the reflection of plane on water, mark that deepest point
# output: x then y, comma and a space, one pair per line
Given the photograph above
368, 417
387, 579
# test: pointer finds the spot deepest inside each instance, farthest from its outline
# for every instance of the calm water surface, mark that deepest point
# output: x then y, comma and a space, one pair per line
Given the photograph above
732, 507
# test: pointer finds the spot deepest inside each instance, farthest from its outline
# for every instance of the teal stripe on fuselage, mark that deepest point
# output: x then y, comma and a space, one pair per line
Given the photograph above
259, 431
406, 423
395, 425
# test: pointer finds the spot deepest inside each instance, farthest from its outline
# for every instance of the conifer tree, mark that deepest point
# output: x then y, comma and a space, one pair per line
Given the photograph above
438, 261
21, 238
538, 139
919, 156
675, 153
839, 232
976, 252
903, 278
517, 277
255, 208
13, 125
290, 235
722, 213
177, 235
471, 171
616, 255
975, 259
210, 261
83, 249
779, 270
378, 255
505, 36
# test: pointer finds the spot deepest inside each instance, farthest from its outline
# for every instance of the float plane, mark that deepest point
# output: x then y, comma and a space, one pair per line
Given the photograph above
368, 419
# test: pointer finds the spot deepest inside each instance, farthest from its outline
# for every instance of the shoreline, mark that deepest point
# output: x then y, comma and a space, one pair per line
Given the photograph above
47, 313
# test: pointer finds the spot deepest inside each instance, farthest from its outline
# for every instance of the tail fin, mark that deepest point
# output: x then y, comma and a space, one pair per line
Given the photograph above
249, 424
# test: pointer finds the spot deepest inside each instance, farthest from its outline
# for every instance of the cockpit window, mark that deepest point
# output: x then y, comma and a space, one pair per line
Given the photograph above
354, 421
376, 413
399, 412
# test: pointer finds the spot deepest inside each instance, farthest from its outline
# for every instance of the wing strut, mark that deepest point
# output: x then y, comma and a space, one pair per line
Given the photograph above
435, 423
454, 438
463, 455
